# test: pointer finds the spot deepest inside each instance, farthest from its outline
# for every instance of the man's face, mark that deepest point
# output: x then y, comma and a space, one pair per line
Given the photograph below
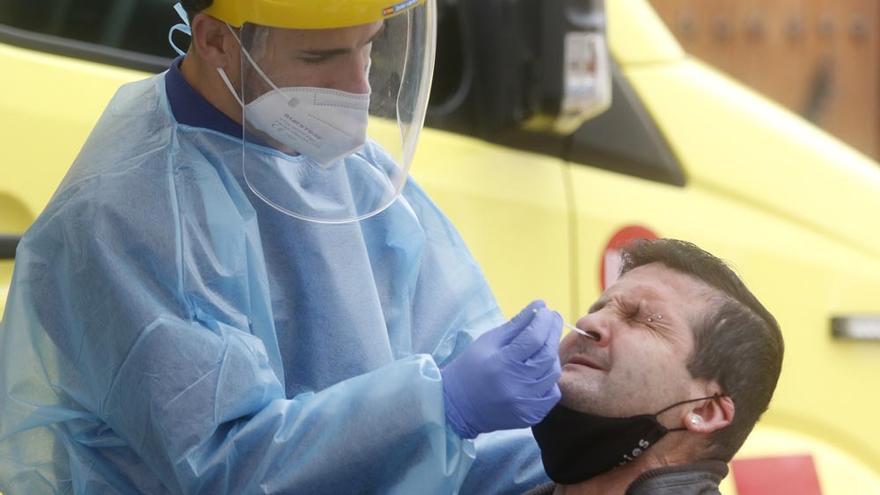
638, 366
324, 58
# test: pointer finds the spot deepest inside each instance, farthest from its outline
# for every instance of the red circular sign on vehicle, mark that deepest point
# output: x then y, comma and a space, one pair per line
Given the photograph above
609, 265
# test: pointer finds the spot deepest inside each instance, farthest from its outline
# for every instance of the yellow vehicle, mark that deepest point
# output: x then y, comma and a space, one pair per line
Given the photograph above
683, 152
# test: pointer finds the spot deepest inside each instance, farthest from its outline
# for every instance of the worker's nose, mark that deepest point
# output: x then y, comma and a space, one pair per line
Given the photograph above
353, 76
356, 78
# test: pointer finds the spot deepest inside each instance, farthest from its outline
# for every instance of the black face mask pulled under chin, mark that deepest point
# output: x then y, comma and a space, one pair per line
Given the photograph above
577, 446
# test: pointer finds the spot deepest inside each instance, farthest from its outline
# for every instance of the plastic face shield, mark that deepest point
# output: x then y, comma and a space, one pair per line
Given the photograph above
332, 116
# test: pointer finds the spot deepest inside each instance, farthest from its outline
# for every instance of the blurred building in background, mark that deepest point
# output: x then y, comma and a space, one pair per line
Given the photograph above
819, 58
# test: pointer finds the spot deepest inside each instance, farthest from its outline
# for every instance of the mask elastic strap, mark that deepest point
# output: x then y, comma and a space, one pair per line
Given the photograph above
682, 403
229, 85
251, 60
183, 27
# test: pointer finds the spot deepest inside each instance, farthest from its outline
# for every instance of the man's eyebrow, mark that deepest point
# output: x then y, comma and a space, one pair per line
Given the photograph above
599, 304
342, 51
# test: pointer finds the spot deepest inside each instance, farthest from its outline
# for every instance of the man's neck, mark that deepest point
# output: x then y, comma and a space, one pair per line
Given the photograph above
616, 481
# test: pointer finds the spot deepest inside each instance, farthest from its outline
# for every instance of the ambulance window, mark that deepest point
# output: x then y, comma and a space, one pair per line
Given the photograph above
130, 33
626, 140
453, 64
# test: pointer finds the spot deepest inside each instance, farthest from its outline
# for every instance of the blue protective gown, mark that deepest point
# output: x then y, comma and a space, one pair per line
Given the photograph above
167, 332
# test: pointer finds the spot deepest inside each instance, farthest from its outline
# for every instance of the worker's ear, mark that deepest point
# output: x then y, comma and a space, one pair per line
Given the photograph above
710, 415
214, 43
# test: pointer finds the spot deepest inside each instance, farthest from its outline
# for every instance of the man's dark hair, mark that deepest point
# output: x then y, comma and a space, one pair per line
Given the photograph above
193, 7
738, 344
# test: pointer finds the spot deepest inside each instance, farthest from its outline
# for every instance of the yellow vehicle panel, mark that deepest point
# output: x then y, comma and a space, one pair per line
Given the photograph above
512, 209
50, 103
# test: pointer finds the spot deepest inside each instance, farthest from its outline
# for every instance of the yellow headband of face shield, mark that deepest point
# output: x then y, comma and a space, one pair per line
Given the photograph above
307, 14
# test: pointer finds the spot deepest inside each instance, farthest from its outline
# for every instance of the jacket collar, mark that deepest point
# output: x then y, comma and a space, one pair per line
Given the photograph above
189, 107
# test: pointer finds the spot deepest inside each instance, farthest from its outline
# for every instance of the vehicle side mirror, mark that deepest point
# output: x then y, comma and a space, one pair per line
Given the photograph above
574, 73
538, 65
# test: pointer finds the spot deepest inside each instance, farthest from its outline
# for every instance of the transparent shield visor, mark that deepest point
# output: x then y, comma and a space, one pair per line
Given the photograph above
332, 116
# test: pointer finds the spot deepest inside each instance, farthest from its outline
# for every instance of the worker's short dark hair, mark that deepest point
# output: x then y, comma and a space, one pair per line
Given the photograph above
738, 343
193, 7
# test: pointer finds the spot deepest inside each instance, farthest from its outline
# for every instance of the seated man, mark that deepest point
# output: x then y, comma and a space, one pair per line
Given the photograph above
681, 362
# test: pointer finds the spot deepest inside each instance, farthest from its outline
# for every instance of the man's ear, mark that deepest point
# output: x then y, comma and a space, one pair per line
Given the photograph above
213, 42
710, 415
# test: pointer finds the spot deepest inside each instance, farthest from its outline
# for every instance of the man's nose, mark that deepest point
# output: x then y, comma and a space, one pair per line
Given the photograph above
597, 326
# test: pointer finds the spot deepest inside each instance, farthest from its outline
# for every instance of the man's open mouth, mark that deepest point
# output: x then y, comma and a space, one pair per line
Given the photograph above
585, 361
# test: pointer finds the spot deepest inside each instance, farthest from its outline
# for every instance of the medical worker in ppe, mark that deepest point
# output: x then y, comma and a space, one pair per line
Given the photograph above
238, 289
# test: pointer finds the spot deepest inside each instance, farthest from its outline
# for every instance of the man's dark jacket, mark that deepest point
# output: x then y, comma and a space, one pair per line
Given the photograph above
701, 478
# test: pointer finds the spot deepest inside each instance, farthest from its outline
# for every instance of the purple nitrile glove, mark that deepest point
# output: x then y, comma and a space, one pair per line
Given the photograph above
507, 377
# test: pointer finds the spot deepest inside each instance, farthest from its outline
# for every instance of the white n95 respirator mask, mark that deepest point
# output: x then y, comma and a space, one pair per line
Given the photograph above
323, 124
